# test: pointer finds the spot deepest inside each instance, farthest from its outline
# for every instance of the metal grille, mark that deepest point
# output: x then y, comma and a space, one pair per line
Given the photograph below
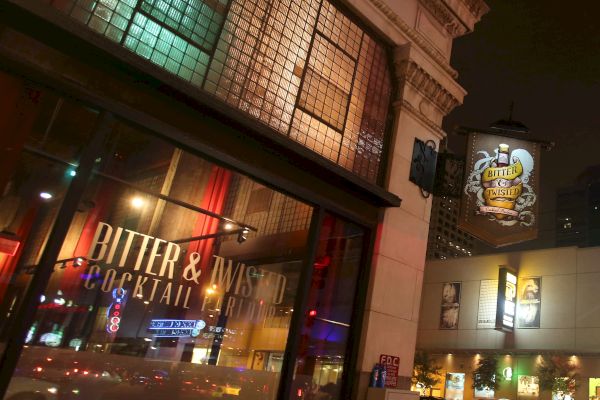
301, 67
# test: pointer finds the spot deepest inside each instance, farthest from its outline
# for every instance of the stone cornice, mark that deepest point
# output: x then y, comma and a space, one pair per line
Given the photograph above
415, 36
446, 17
409, 72
404, 105
477, 7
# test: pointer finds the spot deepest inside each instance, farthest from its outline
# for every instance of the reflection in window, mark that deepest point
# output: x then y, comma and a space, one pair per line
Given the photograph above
325, 333
41, 139
177, 279
304, 69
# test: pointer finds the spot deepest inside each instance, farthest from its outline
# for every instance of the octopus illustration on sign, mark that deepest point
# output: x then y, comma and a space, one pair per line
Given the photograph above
500, 182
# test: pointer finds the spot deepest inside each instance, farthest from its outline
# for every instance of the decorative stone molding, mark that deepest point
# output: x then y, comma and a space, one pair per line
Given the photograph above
415, 36
444, 15
404, 105
477, 7
409, 72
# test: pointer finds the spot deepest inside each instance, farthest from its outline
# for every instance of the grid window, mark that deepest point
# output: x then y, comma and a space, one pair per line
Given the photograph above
166, 49
196, 20
303, 68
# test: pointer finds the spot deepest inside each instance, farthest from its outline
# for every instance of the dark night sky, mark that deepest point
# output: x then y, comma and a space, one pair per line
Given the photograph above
545, 56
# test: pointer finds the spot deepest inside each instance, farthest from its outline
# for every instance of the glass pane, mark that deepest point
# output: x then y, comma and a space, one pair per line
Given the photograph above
332, 96
41, 137
155, 295
324, 337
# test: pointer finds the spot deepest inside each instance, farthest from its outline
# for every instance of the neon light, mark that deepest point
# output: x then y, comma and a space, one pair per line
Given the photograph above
113, 313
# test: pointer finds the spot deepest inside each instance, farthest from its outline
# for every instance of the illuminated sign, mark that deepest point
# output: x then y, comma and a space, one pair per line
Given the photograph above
594, 388
530, 302
176, 327
507, 297
114, 314
499, 203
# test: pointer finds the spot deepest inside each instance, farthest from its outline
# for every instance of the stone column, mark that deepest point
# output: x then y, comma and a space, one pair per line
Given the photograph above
427, 91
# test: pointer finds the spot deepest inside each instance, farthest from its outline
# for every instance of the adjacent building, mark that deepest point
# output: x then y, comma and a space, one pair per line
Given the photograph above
578, 211
210, 198
554, 317
445, 239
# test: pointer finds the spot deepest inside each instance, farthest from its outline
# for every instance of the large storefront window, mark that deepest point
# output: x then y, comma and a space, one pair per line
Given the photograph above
176, 278
325, 333
41, 136
302, 68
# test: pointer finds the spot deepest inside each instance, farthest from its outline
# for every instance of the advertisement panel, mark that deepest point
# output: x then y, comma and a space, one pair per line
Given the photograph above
530, 302
528, 386
450, 305
488, 297
500, 197
455, 386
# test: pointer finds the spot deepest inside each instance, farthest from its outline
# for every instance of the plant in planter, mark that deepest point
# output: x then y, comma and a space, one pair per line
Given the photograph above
558, 375
425, 372
484, 375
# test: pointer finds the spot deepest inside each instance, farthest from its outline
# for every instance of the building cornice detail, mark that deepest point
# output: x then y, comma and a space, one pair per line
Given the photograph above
476, 7
404, 105
415, 36
408, 71
444, 15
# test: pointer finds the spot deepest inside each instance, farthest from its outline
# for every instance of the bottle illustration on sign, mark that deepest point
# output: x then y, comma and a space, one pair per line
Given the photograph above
502, 185
500, 182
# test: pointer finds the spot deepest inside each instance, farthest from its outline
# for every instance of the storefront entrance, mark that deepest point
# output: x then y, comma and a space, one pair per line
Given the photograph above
131, 267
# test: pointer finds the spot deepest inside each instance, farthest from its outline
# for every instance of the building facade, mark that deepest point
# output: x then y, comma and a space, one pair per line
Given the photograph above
578, 211
203, 198
555, 318
445, 239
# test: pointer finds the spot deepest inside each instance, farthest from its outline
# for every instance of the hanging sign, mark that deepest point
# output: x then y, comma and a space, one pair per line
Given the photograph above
500, 197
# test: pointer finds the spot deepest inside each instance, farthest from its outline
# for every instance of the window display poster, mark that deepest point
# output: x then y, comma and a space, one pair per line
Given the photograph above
450, 305
594, 388
530, 302
455, 386
560, 395
528, 386
488, 297
485, 393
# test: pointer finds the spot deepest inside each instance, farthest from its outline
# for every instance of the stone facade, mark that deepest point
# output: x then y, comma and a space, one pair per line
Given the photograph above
422, 33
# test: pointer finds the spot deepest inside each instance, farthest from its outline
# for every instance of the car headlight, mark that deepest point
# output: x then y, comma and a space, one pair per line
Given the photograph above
52, 390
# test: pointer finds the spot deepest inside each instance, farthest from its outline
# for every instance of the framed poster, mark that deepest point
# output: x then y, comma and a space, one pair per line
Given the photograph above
488, 297
455, 386
530, 302
450, 305
528, 386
